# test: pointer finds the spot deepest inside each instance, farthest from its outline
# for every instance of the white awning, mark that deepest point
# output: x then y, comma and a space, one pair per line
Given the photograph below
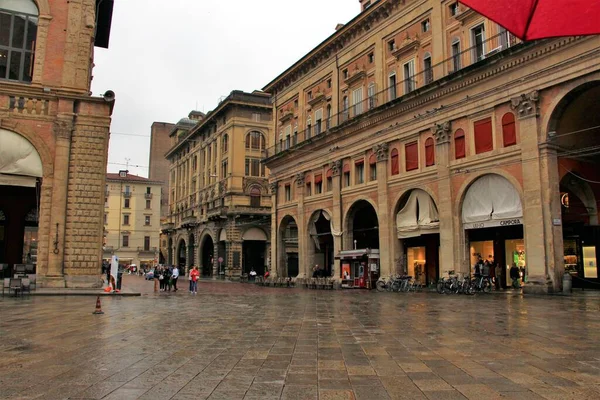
17, 180
18, 156
223, 236
254, 234
418, 216
491, 197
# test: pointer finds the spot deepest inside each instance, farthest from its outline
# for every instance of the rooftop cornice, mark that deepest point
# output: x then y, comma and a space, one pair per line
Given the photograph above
354, 29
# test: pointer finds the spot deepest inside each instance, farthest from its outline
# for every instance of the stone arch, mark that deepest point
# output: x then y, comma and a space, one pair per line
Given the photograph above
320, 240
288, 252
206, 251
43, 6
255, 227
349, 222
181, 252
584, 192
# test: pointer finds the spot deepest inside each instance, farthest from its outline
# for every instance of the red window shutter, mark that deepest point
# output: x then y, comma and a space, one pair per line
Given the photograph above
429, 153
395, 162
359, 162
509, 133
329, 173
412, 156
483, 136
372, 159
346, 168
459, 144
318, 178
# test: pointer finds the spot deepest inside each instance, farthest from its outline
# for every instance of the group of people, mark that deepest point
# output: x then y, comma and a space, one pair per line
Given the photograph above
319, 272
167, 277
487, 269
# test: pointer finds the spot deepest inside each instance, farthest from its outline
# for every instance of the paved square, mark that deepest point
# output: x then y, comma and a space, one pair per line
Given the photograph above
239, 341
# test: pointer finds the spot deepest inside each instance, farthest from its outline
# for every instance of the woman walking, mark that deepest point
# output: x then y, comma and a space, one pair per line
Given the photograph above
194, 276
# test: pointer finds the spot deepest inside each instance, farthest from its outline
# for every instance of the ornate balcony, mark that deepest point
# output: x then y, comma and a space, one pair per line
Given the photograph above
167, 227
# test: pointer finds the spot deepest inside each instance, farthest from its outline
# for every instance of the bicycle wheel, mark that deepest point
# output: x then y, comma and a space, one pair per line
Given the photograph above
395, 286
440, 287
487, 287
380, 285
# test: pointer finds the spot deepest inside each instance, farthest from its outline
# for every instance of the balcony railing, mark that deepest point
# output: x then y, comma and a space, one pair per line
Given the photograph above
147, 249
428, 75
127, 194
147, 195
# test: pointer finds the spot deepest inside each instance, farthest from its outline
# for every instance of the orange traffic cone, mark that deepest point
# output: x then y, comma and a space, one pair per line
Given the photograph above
98, 307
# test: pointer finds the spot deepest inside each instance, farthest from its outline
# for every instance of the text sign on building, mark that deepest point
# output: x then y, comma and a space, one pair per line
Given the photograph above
494, 223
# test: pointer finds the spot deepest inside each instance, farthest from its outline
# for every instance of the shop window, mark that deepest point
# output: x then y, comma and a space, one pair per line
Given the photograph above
429, 152
346, 175
412, 156
373, 167
509, 134
359, 166
459, 144
18, 30
395, 162
483, 136
318, 184
329, 176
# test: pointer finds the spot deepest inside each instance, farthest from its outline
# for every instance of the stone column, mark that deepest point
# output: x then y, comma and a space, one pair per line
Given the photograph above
303, 235
63, 129
449, 256
386, 254
536, 214
275, 268
337, 225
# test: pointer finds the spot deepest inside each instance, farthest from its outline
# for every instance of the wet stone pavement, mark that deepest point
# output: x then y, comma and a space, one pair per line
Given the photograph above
239, 341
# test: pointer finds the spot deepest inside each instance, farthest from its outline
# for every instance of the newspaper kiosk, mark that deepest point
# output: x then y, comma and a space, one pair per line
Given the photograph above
359, 268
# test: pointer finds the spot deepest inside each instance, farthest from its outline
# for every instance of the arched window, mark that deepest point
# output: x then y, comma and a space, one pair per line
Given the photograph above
18, 30
255, 196
255, 141
509, 133
429, 153
459, 144
225, 143
395, 162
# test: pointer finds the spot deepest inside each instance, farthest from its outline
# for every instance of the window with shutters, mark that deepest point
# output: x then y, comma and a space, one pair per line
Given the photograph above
395, 159
409, 74
318, 184
412, 156
509, 133
459, 144
357, 101
308, 187
346, 175
427, 69
371, 96
318, 121
483, 136
288, 193
18, 30
329, 176
288, 134
359, 171
308, 127
429, 152
392, 86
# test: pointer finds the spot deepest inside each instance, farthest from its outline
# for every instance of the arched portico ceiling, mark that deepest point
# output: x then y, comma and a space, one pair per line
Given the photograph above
492, 201
418, 216
20, 163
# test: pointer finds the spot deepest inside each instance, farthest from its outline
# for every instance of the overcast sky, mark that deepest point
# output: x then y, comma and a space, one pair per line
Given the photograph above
167, 58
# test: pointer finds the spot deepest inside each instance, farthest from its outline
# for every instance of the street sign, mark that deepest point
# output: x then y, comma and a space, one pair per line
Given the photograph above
220, 259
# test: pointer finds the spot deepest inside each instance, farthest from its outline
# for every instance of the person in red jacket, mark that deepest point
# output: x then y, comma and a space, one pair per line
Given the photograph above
194, 276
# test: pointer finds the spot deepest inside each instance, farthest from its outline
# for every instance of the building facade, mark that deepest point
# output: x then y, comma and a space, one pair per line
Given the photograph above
219, 200
53, 139
428, 132
132, 219
158, 166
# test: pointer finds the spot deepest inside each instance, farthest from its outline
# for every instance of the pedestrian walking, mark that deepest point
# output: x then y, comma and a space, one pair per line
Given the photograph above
174, 277
194, 276
515, 276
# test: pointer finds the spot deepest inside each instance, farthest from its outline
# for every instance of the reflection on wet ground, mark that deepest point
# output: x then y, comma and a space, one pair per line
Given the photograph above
240, 341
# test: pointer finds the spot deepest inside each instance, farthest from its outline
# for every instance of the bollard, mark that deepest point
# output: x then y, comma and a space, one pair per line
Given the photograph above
567, 283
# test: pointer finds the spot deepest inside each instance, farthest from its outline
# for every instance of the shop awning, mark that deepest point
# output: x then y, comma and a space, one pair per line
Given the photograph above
20, 163
491, 198
418, 216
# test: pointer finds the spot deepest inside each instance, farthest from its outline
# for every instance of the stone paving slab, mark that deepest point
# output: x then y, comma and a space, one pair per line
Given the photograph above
241, 341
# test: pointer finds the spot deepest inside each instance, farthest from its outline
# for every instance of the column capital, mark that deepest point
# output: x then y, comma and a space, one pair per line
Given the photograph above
442, 132
526, 105
273, 187
336, 168
300, 179
381, 151
63, 128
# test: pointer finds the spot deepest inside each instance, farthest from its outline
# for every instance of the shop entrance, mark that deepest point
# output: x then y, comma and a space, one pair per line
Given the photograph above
207, 256
575, 127
287, 248
181, 254
253, 250
417, 229
322, 241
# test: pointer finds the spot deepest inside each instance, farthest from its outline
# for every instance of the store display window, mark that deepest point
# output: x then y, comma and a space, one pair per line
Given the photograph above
30, 245
515, 254
571, 256
590, 269
415, 257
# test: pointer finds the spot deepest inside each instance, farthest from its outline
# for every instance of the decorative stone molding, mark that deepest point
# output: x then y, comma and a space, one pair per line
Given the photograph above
300, 179
63, 129
381, 151
336, 168
526, 105
222, 187
442, 132
249, 183
273, 187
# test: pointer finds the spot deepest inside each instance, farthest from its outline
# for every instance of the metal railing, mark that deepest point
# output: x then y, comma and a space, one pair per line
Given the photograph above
400, 88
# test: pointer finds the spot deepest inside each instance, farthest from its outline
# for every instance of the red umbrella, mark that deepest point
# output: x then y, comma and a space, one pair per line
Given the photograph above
537, 19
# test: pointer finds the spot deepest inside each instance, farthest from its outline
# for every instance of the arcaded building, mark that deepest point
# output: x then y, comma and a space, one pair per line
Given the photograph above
53, 139
423, 137
219, 199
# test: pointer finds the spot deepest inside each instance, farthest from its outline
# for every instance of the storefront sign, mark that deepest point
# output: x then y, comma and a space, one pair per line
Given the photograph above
494, 223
